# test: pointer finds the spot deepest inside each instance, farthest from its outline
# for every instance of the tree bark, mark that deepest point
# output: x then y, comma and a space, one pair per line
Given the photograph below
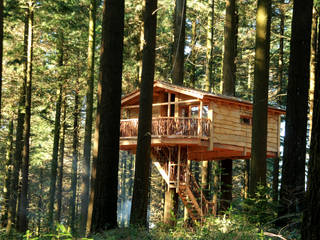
226, 185
61, 158
209, 52
313, 50
260, 97
8, 176
1, 51
22, 216
294, 156
88, 123
18, 142
310, 222
105, 161
275, 183
56, 139
74, 170
229, 79
140, 198
179, 42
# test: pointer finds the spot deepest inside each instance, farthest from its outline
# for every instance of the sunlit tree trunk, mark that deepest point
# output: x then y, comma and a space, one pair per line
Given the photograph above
12, 211
310, 222
1, 50
22, 216
88, 122
260, 97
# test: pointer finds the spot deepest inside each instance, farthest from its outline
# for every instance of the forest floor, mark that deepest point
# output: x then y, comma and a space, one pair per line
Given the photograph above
216, 228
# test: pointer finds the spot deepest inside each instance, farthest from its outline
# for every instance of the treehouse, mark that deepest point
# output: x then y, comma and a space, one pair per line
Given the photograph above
189, 124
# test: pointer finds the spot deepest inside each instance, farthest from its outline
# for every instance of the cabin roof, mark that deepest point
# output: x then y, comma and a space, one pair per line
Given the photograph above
198, 94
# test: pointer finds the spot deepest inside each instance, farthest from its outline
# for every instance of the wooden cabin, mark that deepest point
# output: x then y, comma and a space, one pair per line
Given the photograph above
189, 124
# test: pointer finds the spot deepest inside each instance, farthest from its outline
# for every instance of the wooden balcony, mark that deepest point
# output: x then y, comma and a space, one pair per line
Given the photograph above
169, 126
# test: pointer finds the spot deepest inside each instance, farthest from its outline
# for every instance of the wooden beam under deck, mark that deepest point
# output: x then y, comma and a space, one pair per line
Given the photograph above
130, 143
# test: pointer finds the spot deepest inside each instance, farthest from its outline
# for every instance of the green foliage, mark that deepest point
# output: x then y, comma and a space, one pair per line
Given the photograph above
232, 227
260, 209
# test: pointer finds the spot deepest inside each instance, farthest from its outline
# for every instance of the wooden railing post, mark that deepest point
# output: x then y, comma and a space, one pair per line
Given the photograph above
178, 170
200, 119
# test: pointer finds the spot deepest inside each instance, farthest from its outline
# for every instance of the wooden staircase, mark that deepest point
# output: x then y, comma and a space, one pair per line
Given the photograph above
180, 178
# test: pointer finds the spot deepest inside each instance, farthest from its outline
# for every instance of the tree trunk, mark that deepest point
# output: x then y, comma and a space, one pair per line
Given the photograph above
140, 198
229, 66
8, 177
260, 97
275, 184
229, 79
22, 216
215, 187
18, 142
209, 52
74, 170
226, 185
88, 124
192, 58
310, 222
1, 50
179, 42
54, 162
61, 158
205, 178
106, 157
313, 50
294, 156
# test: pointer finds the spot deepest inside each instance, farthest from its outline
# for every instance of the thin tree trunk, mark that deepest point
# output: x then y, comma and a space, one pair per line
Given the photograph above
141, 43
140, 198
19, 142
260, 97
209, 52
106, 157
40, 201
22, 216
1, 51
275, 184
88, 124
246, 178
294, 157
205, 178
74, 170
8, 177
56, 139
61, 159
192, 58
313, 50
215, 187
179, 42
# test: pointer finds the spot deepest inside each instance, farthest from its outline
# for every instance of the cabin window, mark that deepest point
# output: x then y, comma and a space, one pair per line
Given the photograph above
195, 111
205, 111
246, 120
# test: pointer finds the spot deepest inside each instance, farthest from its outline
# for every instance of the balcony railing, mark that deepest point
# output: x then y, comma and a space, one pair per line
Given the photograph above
168, 126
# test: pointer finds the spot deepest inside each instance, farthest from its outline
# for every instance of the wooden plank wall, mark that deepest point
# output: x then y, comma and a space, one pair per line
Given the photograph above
228, 129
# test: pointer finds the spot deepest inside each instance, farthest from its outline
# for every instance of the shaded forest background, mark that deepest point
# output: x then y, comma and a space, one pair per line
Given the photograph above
64, 79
